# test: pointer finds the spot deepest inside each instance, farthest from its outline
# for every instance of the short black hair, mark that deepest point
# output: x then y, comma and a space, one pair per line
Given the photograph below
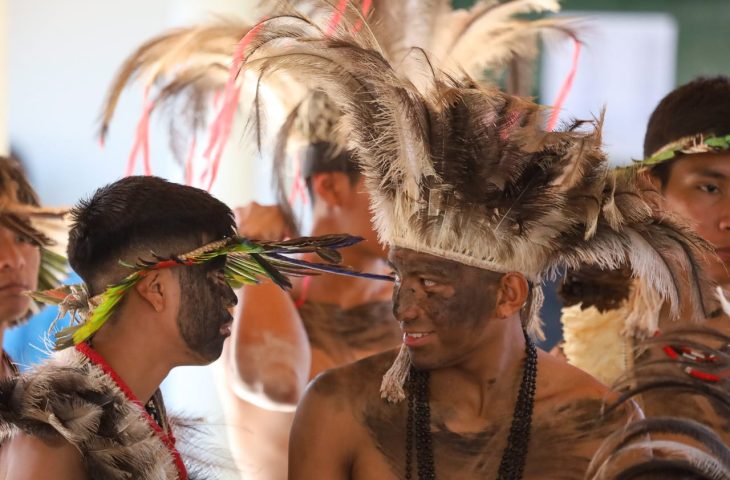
139, 214
699, 107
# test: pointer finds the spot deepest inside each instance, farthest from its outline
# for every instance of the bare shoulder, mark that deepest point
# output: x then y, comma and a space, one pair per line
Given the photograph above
30, 457
327, 434
336, 398
360, 379
568, 391
560, 381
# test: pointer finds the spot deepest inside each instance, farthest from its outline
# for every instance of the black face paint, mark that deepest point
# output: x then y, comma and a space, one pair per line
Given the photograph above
206, 298
449, 302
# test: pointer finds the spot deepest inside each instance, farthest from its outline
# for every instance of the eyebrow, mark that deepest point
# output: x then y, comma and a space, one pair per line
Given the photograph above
427, 268
711, 174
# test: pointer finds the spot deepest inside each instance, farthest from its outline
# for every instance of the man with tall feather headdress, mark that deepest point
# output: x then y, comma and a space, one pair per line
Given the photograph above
282, 340
478, 204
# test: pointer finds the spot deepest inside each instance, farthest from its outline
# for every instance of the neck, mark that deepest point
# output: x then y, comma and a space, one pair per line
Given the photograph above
349, 291
486, 380
133, 358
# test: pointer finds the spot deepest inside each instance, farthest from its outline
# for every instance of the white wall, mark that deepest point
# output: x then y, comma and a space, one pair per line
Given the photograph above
62, 58
627, 65
3, 77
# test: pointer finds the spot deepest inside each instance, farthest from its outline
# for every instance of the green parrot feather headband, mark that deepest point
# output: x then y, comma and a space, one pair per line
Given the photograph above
247, 263
692, 144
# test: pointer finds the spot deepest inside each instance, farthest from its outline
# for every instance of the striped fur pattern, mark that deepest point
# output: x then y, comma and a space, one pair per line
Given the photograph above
686, 429
70, 397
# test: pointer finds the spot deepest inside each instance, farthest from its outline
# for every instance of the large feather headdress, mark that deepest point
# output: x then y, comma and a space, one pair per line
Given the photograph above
467, 172
185, 72
21, 212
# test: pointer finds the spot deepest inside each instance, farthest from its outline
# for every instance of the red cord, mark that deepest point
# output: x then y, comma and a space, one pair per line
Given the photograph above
167, 438
565, 89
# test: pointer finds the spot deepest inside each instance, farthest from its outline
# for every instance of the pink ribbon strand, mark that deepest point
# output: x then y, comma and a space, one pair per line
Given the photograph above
565, 88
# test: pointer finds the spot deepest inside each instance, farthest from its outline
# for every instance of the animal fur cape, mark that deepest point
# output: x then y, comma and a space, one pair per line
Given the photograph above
73, 397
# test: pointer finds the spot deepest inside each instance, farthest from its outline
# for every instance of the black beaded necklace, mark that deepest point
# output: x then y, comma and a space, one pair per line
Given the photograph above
418, 424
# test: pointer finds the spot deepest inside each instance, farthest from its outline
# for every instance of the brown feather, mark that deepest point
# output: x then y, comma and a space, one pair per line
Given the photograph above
190, 62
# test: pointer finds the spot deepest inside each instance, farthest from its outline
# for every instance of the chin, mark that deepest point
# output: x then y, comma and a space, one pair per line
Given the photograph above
10, 318
211, 353
422, 361
202, 355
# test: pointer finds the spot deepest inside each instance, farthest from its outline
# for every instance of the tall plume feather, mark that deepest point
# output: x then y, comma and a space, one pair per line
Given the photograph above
489, 35
187, 67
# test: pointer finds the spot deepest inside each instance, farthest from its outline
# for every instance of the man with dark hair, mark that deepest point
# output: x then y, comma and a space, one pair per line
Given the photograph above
478, 203
687, 152
25, 261
687, 158
158, 260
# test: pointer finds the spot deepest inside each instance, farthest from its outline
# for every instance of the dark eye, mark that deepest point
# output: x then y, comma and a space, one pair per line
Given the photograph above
20, 238
710, 188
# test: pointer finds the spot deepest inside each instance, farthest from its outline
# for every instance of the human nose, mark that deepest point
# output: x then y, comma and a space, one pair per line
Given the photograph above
230, 297
405, 303
724, 223
11, 256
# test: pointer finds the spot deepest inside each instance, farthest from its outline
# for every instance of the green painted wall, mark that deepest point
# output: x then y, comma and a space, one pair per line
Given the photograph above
704, 30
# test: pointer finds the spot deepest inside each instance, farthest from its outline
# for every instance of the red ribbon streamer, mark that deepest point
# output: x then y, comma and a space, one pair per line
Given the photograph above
336, 17
565, 89
220, 129
366, 4
142, 138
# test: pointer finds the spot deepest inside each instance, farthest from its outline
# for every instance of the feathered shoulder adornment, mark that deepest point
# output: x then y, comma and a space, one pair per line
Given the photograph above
686, 429
72, 398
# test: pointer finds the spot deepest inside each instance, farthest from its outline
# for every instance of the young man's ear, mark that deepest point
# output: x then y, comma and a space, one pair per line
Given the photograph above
653, 180
152, 289
330, 187
513, 293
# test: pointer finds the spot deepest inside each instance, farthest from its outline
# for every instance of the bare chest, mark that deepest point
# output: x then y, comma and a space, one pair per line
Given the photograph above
561, 443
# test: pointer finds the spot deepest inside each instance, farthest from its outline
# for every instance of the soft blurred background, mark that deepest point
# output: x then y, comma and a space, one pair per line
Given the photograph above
57, 58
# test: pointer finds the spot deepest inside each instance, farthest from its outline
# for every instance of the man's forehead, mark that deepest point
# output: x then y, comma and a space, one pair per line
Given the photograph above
412, 259
706, 164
